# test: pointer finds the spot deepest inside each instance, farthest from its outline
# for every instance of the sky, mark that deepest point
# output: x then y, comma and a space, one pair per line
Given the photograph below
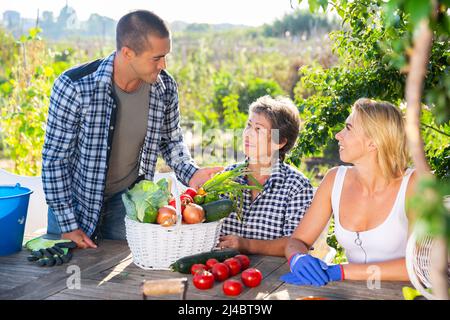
246, 12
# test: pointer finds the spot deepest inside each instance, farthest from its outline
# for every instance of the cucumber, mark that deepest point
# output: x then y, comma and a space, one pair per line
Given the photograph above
218, 209
183, 265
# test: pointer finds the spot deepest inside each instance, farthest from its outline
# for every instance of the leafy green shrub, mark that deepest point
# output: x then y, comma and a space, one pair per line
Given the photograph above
25, 102
371, 59
255, 88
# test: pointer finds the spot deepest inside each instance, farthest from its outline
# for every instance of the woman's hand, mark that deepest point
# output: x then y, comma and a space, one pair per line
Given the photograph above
234, 242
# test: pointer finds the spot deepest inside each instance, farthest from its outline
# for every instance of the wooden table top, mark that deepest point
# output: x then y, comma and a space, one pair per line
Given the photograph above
108, 272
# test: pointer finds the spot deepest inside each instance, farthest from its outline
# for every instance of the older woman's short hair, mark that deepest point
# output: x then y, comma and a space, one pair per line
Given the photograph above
384, 123
283, 116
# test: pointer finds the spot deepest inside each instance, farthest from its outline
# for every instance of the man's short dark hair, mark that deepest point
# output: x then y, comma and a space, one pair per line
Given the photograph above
134, 28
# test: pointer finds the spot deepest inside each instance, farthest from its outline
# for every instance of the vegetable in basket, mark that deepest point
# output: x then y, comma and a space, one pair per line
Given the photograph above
223, 184
193, 213
145, 198
167, 216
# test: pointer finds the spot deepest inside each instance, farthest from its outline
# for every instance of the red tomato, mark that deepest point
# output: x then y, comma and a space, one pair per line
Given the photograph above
232, 288
251, 277
234, 265
185, 199
191, 192
220, 271
211, 262
203, 280
198, 267
172, 203
244, 260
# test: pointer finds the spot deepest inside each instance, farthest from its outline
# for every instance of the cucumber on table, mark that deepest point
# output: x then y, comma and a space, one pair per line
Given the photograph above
183, 265
218, 209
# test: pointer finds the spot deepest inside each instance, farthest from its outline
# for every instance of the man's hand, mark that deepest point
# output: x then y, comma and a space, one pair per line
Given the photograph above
80, 238
202, 175
234, 242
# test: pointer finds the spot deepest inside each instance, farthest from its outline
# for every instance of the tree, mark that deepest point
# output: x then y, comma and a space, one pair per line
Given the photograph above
398, 51
298, 23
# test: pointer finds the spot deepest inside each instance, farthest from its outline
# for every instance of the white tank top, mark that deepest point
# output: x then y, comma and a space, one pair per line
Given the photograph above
385, 242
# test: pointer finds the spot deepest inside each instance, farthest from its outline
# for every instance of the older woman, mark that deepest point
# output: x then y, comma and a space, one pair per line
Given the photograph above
367, 201
269, 217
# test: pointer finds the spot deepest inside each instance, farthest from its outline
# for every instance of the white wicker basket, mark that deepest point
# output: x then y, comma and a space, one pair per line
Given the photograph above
418, 261
418, 264
155, 247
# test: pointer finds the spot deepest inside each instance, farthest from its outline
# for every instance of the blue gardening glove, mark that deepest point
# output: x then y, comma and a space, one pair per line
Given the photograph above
308, 268
292, 279
335, 272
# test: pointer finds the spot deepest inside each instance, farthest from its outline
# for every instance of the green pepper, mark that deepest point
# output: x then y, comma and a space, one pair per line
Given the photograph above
198, 199
211, 196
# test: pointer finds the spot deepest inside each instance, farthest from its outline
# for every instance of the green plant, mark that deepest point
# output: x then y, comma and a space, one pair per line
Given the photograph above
25, 107
372, 60
412, 37
255, 88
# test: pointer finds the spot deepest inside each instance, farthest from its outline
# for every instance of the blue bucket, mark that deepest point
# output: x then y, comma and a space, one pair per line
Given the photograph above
13, 215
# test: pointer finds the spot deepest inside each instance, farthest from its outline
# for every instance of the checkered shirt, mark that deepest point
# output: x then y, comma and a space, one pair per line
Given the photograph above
78, 141
277, 210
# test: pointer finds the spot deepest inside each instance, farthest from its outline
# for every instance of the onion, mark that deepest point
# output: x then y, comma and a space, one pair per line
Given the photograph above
193, 213
167, 216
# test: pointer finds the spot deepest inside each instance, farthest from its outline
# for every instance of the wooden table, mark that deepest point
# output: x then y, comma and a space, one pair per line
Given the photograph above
108, 272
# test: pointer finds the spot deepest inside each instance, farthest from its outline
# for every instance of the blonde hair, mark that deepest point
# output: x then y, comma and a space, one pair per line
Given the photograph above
384, 124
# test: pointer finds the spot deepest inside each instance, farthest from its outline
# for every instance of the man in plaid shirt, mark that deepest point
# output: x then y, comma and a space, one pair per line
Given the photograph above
108, 121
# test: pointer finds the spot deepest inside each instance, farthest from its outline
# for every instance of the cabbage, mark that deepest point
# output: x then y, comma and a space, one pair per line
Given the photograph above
145, 198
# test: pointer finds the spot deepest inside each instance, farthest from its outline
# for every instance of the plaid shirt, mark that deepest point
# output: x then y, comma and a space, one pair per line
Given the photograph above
78, 141
277, 210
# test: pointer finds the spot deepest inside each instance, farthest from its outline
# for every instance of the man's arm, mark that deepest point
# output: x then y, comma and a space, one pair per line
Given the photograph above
173, 149
60, 137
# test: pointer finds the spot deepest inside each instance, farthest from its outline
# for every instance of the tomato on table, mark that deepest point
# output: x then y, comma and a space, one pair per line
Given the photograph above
211, 262
234, 265
203, 280
220, 271
198, 267
251, 277
244, 260
232, 288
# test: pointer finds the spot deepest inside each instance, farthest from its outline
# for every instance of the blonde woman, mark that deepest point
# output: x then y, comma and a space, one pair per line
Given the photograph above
367, 201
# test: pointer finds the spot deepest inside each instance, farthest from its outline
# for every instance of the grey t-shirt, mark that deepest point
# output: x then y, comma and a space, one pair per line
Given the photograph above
129, 133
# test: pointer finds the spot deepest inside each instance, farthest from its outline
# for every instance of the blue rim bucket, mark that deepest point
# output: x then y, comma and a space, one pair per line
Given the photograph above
13, 215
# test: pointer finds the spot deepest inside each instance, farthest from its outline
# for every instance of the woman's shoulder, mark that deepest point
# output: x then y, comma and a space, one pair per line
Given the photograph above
331, 174
412, 183
329, 177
